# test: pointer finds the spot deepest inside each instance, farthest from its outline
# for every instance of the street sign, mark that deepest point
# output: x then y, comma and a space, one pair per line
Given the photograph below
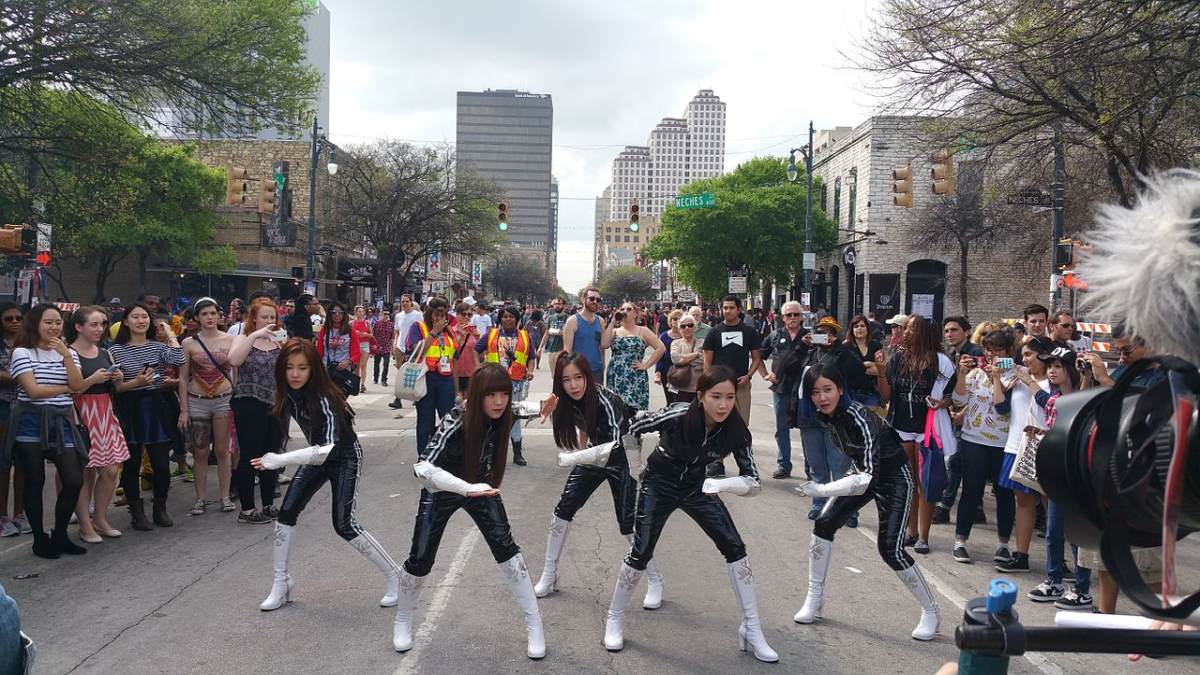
810, 261
737, 281
1030, 198
703, 200
477, 273
43, 237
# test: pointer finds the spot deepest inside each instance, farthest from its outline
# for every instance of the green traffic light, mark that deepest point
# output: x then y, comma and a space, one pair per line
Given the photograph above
503, 226
633, 227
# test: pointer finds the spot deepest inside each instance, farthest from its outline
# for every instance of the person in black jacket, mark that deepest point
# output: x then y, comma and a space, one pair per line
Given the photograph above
462, 468
881, 474
299, 323
590, 425
822, 461
691, 436
308, 396
787, 350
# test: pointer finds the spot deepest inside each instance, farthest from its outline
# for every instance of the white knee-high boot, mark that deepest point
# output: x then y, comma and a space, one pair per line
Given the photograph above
373, 551
654, 583
930, 617
522, 591
819, 552
281, 586
406, 598
750, 630
614, 625
554, 547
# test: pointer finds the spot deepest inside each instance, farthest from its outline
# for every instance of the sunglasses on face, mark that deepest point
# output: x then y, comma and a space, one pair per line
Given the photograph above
791, 313
593, 298
1127, 351
337, 311
14, 318
687, 325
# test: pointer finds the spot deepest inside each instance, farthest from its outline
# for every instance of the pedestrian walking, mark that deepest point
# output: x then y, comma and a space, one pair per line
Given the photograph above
536, 327
627, 372
307, 395
255, 353
510, 346
882, 475
582, 332
107, 449
364, 336
404, 320
552, 340
42, 427
463, 467
692, 436
143, 353
339, 345
590, 422
434, 338
205, 391
786, 349
384, 333
10, 328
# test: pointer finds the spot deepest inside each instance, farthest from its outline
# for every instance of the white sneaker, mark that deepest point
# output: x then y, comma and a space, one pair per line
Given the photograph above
22, 523
7, 528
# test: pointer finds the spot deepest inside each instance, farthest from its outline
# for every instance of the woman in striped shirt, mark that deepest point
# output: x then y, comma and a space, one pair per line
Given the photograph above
142, 355
42, 425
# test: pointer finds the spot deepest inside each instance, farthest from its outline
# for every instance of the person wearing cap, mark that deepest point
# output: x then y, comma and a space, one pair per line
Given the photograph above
823, 462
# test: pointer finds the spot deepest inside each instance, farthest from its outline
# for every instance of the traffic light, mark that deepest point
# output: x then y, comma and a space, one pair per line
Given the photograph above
633, 217
283, 195
902, 194
237, 187
942, 172
267, 197
1064, 254
502, 217
18, 240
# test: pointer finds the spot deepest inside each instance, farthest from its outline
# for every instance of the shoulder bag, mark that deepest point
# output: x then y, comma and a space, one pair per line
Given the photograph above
1024, 469
410, 376
346, 380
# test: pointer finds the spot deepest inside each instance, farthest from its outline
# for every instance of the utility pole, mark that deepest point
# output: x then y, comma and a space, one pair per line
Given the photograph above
1056, 223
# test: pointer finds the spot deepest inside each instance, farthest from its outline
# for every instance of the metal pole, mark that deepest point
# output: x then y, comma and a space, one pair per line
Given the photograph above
1056, 226
310, 272
808, 225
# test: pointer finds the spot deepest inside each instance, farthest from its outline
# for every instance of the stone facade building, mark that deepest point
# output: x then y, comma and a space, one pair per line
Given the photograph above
888, 273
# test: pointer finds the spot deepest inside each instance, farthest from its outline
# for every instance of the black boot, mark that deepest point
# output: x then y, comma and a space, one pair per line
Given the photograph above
42, 547
518, 458
160, 514
396, 404
63, 544
941, 515
137, 516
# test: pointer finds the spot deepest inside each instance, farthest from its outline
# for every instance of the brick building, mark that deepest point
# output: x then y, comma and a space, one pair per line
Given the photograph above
889, 273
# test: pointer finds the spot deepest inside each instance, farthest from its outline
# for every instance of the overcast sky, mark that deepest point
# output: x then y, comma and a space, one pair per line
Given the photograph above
614, 69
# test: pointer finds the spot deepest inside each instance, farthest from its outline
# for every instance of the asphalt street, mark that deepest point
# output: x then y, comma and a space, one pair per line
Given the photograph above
185, 599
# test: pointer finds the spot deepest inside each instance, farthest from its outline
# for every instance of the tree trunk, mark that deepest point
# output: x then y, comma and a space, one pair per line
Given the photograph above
101, 277
142, 253
57, 279
963, 249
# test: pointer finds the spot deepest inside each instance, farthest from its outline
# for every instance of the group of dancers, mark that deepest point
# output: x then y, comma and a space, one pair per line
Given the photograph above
462, 466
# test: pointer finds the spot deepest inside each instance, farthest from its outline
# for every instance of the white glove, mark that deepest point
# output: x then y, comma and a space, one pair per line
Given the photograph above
742, 486
527, 409
314, 455
854, 484
597, 455
440, 480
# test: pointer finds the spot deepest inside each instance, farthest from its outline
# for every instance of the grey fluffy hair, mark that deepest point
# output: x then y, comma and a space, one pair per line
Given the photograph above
1144, 269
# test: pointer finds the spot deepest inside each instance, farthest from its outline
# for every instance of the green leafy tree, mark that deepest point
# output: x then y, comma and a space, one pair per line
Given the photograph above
758, 221
626, 282
518, 277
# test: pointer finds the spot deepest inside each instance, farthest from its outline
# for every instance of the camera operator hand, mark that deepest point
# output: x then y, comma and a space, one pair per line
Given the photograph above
1099, 369
1164, 625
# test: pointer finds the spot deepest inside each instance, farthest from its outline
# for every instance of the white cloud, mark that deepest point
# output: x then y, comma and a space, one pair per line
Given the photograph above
614, 69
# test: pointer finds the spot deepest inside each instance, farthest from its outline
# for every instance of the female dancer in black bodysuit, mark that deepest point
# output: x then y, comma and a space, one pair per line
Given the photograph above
880, 473
691, 436
591, 421
462, 467
307, 395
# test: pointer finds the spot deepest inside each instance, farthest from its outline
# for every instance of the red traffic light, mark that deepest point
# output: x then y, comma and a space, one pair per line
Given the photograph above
43, 258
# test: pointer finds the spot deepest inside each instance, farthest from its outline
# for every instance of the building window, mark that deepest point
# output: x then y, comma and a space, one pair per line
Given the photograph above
837, 200
626, 238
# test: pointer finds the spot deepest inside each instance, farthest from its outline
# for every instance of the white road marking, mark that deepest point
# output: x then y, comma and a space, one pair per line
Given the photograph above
854, 569
437, 606
1036, 660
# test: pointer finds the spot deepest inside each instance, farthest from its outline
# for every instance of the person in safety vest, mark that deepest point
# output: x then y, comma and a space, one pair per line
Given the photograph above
439, 350
510, 347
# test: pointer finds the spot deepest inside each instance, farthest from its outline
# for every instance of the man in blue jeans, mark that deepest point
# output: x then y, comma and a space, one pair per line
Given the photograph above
786, 348
11, 651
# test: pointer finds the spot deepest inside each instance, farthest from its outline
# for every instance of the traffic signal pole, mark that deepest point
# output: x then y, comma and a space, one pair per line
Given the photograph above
310, 271
808, 224
1056, 223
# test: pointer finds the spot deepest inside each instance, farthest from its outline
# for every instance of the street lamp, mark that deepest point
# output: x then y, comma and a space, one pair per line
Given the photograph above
809, 257
319, 143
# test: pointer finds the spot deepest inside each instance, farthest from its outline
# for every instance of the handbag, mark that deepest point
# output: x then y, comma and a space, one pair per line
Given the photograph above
1024, 469
346, 380
410, 376
931, 460
679, 376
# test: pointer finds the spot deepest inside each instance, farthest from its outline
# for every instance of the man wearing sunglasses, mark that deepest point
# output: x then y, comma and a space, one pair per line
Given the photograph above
786, 348
1131, 349
582, 332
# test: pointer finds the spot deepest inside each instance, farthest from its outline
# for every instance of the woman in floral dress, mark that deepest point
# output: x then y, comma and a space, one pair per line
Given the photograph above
628, 365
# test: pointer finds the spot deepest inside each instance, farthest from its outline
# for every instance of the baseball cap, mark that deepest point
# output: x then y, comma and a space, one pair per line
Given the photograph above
898, 320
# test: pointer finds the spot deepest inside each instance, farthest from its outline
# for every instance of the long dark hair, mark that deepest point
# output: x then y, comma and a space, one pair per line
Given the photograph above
828, 371
123, 333
565, 415
28, 337
921, 346
318, 387
858, 318
434, 303
344, 325
490, 378
80, 318
694, 428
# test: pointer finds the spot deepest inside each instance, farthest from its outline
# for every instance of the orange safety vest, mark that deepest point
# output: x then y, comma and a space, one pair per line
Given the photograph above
434, 351
516, 369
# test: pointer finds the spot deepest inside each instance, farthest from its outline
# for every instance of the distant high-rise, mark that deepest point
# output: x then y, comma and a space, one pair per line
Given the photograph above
552, 248
680, 150
505, 136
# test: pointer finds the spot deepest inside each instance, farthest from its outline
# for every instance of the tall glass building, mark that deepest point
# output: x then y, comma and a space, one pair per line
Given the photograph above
505, 136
